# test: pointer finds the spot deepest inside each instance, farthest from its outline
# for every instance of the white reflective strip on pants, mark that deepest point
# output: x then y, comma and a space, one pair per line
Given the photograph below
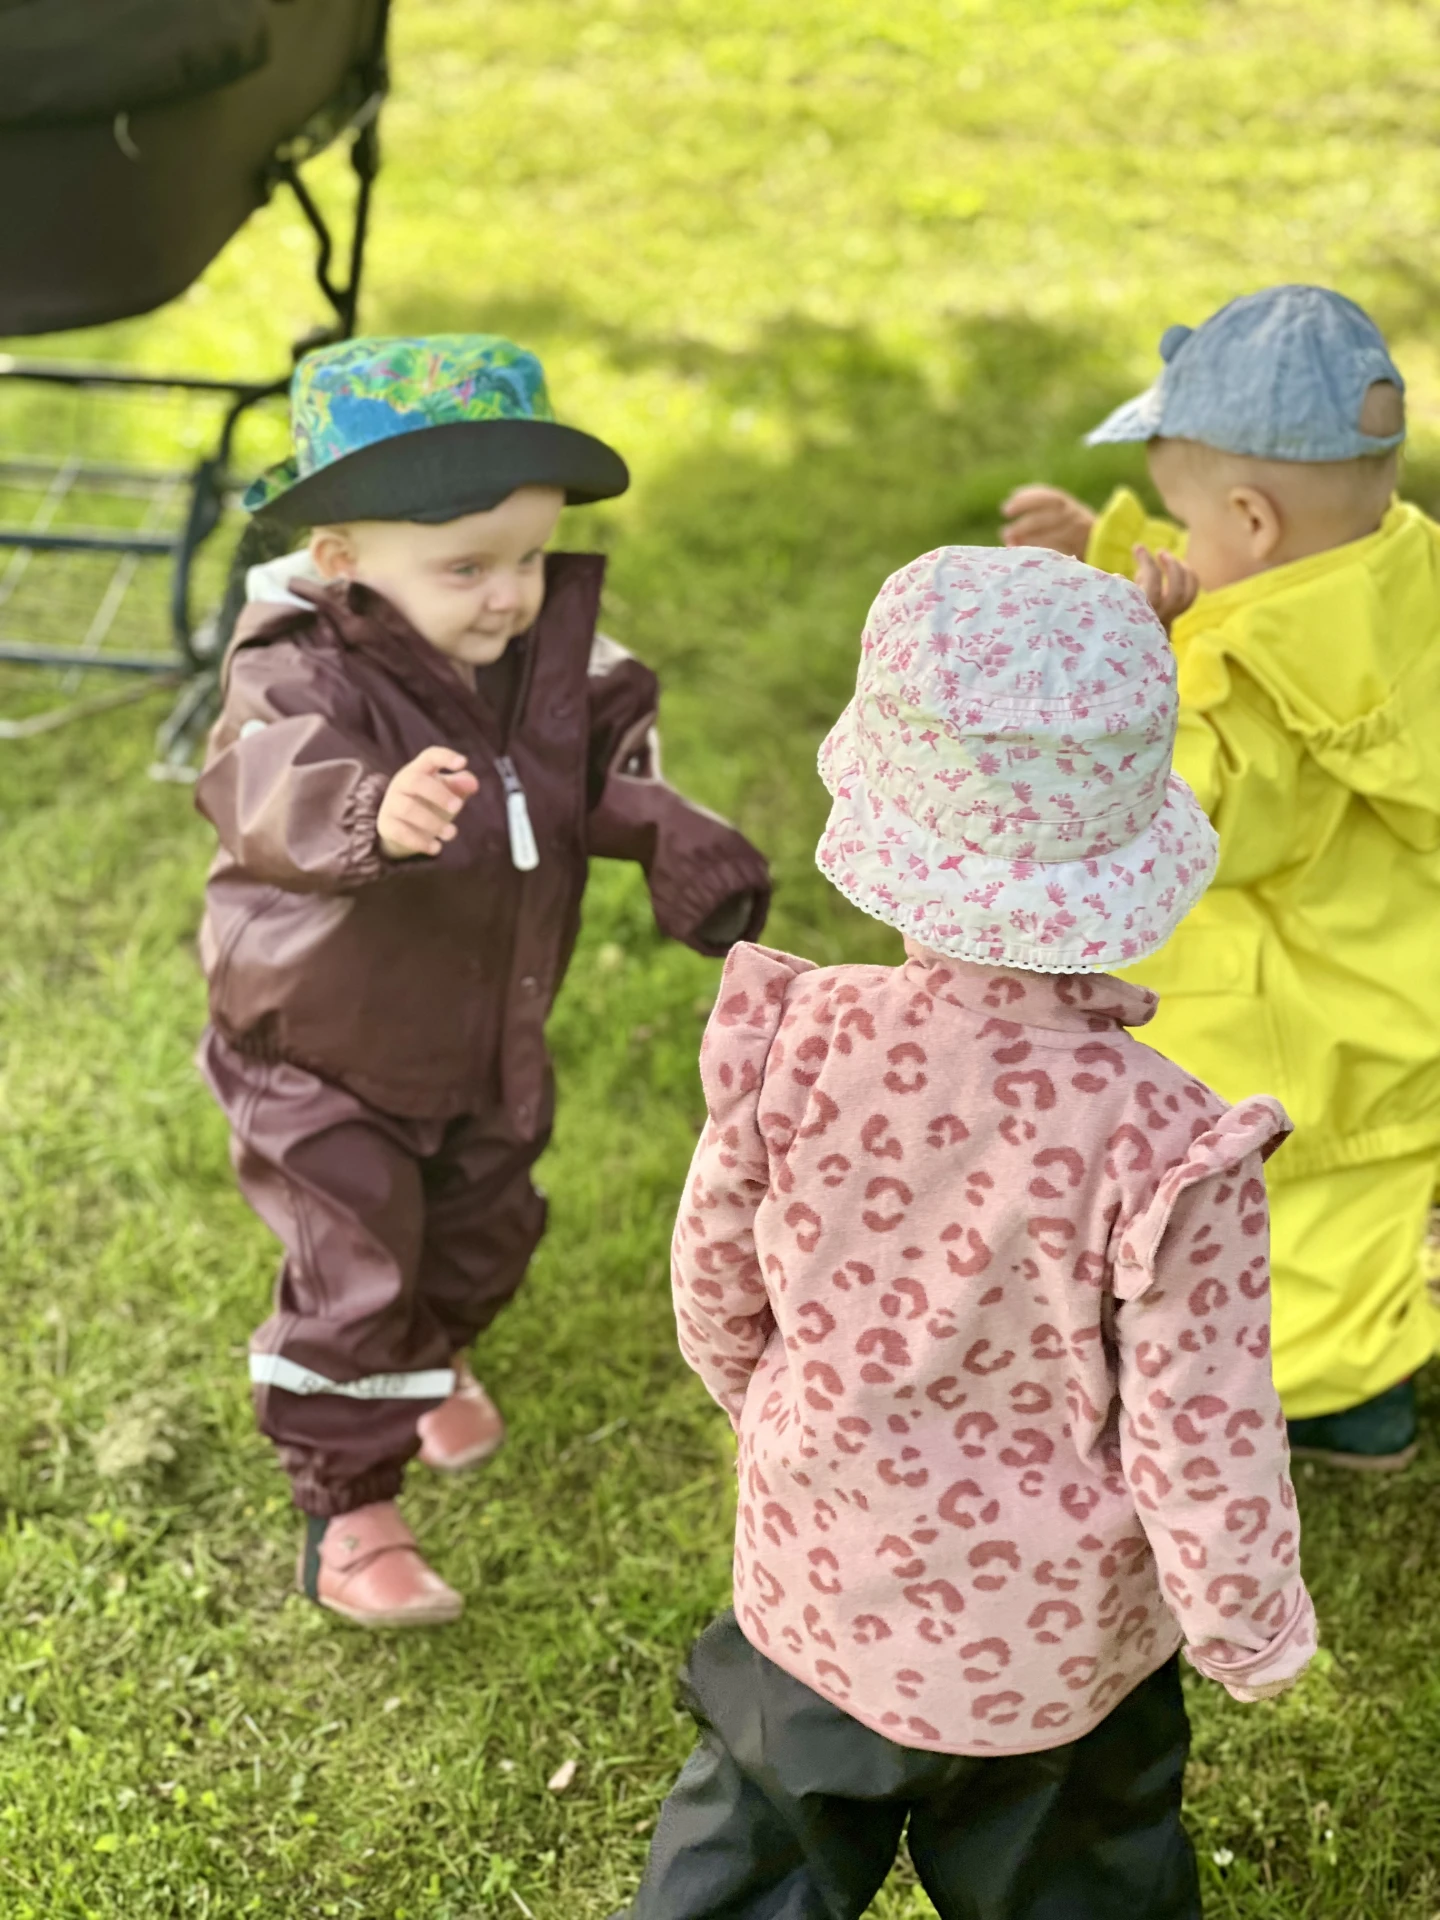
274, 1370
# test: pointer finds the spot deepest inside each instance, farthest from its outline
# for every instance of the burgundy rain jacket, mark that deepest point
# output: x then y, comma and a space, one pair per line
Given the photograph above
423, 985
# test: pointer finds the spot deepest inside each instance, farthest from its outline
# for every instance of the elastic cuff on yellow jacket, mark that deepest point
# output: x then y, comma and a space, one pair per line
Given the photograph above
1122, 526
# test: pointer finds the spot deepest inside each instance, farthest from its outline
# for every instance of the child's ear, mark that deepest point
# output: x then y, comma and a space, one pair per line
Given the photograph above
1261, 525
333, 551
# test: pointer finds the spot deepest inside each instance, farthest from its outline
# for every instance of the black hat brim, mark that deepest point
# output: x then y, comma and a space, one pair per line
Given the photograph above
440, 473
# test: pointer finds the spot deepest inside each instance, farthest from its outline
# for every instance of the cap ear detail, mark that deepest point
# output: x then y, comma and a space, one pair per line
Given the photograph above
1382, 411
1172, 340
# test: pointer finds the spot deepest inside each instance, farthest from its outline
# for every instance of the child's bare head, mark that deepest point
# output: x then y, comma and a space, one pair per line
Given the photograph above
1245, 515
468, 586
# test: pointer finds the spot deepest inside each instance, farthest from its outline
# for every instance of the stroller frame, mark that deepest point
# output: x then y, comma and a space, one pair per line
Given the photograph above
198, 648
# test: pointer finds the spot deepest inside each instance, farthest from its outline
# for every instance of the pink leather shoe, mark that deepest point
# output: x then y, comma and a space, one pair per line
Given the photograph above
366, 1567
463, 1430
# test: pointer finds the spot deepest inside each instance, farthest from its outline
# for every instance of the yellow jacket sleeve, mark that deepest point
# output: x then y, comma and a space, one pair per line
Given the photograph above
1123, 525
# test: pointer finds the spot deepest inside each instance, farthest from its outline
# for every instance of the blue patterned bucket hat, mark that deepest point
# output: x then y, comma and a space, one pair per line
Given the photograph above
428, 427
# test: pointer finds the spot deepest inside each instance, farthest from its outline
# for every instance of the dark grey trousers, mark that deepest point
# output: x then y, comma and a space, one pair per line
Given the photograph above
790, 1810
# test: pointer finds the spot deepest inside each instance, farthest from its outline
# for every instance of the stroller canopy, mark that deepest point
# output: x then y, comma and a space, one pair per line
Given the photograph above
76, 60
136, 136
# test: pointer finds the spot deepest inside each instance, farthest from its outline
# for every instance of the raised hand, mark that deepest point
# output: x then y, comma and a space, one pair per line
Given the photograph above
418, 812
1047, 517
1167, 583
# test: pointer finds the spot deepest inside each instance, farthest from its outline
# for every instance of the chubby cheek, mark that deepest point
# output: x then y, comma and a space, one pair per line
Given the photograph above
1213, 560
1206, 551
426, 610
1190, 509
444, 617
1201, 560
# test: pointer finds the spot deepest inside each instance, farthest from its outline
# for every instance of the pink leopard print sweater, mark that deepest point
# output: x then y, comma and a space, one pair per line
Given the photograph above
983, 1284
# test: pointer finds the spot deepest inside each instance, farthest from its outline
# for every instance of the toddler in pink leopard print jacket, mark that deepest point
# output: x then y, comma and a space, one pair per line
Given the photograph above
982, 1283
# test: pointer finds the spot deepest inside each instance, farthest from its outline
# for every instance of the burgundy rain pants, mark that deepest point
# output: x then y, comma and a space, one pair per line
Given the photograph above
403, 1239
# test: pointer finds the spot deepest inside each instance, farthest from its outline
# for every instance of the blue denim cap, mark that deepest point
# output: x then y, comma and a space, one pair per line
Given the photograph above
1278, 375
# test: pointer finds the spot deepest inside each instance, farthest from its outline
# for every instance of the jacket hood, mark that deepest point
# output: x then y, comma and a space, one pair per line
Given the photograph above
1347, 645
272, 580
272, 604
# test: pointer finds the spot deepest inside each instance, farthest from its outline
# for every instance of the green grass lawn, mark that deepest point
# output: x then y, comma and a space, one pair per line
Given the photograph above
835, 275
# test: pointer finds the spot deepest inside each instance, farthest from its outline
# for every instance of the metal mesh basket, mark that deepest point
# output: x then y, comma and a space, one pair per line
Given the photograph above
120, 522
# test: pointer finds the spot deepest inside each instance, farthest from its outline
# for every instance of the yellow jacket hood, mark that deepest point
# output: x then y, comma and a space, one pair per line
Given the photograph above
1310, 733
1347, 645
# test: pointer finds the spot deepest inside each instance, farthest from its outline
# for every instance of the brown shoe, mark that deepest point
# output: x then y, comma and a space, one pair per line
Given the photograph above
463, 1430
366, 1567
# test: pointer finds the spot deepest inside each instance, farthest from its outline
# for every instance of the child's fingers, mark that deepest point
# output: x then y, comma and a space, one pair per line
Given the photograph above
419, 808
1034, 529
1186, 584
1028, 522
430, 789
419, 819
1032, 496
462, 784
399, 837
1046, 517
1267, 1690
1180, 585
1148, 577
437, 760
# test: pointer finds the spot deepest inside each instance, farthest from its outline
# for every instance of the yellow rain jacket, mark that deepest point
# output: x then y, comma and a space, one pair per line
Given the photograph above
1310, 733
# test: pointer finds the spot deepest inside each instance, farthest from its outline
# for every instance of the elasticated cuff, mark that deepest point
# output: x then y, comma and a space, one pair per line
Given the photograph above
364, 860
325, 1499
684, 900
1240, 1670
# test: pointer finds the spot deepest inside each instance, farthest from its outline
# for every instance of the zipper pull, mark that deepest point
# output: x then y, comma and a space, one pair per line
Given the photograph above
524, 854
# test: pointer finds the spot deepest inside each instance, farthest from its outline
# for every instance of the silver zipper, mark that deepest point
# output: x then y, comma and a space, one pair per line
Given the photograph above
524, 853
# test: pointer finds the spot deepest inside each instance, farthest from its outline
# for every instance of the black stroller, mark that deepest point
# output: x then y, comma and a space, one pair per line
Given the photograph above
138, 136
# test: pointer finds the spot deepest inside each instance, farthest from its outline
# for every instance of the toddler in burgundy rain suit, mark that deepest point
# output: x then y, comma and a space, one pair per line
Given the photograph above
982, 1284
423, 742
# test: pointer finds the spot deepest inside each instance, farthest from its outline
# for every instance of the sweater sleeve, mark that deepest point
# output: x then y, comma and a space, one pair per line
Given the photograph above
1202, 1437
291, 784
722, 1311
695, 862
1122, 525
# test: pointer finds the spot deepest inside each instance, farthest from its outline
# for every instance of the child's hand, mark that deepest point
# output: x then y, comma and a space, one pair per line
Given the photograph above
1167, 583
1267, 1690
1046, 517
421, 802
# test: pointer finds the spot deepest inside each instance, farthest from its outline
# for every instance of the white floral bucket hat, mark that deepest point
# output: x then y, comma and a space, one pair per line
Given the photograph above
1001, 779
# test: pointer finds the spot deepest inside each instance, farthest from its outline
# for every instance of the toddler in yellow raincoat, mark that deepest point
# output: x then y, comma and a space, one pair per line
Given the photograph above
1309, 676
